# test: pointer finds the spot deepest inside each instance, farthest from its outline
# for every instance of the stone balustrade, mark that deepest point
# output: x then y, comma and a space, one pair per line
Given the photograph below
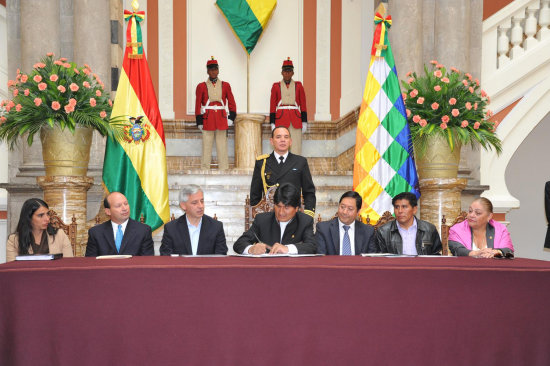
515, 50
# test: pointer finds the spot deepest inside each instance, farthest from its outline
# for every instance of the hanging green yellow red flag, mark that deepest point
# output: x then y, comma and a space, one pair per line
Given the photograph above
247, 18
136, 165
384, 164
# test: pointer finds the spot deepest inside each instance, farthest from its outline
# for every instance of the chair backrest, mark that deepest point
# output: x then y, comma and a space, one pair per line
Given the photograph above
445, 231
265, 205
384, 219
70, 230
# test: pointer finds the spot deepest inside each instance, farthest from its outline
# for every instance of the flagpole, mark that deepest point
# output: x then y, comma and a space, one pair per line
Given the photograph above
247, 82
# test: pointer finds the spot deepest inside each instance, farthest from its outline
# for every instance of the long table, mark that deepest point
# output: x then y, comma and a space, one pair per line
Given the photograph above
275, 311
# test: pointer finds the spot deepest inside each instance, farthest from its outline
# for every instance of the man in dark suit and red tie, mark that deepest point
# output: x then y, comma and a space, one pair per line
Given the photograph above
288, 106
213, 101
121, 234
344, 235
193, 233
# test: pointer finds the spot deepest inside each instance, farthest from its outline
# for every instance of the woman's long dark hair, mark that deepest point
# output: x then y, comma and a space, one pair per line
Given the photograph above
24, 226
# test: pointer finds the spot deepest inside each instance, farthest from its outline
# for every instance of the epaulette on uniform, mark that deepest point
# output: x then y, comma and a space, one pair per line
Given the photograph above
261, 157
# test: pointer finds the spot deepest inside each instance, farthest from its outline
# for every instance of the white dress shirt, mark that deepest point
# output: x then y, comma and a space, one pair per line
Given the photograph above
115, 228
194, 233
351, 234
291, 247
277, 156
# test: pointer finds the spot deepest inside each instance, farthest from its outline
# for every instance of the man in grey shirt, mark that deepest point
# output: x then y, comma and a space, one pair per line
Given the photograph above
407, 234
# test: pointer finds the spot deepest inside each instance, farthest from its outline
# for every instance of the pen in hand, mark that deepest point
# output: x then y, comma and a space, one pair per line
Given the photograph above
267, 247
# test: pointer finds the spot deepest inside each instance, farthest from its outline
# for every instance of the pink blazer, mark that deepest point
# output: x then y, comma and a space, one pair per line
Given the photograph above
461, 233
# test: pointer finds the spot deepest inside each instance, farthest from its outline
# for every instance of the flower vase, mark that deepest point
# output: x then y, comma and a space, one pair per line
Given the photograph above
65, 153
440, 186
438, 161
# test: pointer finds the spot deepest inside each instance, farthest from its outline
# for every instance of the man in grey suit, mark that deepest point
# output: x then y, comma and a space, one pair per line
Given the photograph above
344, 235
193, 233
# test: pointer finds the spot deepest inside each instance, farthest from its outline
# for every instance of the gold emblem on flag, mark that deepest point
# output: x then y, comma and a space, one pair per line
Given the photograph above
138, 131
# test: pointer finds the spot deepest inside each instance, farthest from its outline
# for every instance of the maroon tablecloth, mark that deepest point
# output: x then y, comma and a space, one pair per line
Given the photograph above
275, 311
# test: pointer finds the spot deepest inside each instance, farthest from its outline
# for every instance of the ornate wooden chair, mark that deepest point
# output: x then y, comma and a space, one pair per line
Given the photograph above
265, 205
384, 219
70, 230
445, 230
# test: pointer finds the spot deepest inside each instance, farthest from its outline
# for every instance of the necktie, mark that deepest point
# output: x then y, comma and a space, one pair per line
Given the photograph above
282, 160
118, 239
346, 245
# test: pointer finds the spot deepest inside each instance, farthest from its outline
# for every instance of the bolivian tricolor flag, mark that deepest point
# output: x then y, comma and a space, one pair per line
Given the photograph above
384, 164
247, 18
136, 165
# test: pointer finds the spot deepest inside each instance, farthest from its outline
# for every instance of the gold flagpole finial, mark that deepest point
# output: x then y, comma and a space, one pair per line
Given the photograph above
135, 5
382, 8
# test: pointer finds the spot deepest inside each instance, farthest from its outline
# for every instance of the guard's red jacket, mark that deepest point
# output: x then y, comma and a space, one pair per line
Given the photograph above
214, 119
284, 117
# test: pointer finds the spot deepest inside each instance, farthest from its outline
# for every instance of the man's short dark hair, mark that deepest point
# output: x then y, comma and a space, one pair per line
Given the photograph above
106, 203
273, 131
288, 195
354, 195
411, 197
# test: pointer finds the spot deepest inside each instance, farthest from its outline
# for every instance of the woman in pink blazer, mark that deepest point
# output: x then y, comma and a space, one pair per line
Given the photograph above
480, 235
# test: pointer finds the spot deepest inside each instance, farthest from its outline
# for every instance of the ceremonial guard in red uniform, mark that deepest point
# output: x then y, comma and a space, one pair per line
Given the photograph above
215, 110
288, 106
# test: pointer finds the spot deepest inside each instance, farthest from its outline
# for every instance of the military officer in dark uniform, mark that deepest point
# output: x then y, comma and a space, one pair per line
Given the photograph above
282, 166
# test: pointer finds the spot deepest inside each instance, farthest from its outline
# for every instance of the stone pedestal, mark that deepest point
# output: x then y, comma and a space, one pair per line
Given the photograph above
67, 196
248, 139
440, 196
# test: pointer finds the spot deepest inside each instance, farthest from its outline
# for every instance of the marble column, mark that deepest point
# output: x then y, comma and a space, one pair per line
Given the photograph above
38, 37
407, 34
248, 139
64, 195
451, 36
39, 31
92, 37
440, 196
92, 46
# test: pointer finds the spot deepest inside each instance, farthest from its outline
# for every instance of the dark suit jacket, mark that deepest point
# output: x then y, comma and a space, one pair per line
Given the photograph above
176, 239
137, 240
265, 226
328, 238
547, 209
295, 170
